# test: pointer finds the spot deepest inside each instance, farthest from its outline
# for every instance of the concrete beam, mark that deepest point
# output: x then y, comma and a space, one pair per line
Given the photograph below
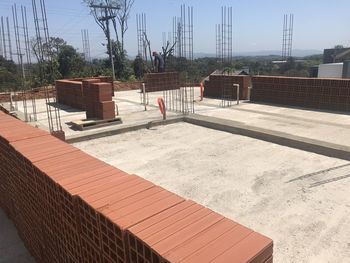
281, 138
113, 130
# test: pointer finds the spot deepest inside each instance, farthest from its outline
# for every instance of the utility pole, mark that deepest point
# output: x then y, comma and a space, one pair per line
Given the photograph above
107, 18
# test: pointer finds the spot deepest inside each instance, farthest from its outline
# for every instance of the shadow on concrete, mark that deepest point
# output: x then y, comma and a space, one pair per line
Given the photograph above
12, 248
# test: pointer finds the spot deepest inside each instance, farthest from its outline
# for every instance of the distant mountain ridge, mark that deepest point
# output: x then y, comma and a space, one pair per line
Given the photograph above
295, 53
262, 53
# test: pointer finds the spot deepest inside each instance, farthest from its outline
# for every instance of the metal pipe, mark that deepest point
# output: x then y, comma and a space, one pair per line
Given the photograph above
237, 90
144, 95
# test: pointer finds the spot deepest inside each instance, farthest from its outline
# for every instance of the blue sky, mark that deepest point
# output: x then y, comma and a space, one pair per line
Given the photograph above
318, 24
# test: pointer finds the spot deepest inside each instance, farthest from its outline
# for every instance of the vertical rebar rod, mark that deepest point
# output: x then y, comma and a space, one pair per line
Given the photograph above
282, 55
28, 58
144, 26
192, 32
26, 34
48, 58
284, 37
39, 44
20, 61
9, 38
222, 34
15, 26
1, 48
216, 40
183, 16
88, 44
56, 109
138, 34
189, 32
83, 42
141, 31
3, 37
225, 34
230, 34
173, 38
291, 26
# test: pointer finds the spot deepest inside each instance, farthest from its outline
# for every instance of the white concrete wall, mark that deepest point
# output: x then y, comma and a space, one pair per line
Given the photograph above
332, 70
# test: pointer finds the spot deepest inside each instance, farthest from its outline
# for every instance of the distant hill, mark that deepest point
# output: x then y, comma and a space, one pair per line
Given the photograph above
263, 53
296, 53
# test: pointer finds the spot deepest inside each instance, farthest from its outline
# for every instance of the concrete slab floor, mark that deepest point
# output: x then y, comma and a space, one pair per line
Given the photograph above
11, 246
331, 127
324, 126
297, 198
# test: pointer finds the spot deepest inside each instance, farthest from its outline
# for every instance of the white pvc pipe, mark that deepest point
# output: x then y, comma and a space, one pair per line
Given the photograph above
237, 89
144, 95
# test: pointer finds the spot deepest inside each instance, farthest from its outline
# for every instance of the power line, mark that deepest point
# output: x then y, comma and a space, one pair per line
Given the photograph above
106, 19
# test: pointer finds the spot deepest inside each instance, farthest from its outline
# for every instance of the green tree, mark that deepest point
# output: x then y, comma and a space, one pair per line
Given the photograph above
70, 61
57, 60
43, 50
121, 64
46, 71
9, 79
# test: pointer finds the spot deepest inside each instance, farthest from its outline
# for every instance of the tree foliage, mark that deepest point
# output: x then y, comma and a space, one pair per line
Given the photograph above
70, 61
57, 60
8, 75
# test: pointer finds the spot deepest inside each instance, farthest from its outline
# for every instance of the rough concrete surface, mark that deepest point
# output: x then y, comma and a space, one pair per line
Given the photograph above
12, 249
297, 198
319, 125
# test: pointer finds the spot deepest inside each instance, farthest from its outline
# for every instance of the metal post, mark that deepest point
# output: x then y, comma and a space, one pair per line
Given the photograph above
237, 90
144, 95
11, 102
164, 114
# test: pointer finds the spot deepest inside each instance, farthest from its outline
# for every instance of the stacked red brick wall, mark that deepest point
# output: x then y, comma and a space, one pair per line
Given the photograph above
213, 88
71, 91
317, 93
71, 207
123, 86
162, 81
98, 101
